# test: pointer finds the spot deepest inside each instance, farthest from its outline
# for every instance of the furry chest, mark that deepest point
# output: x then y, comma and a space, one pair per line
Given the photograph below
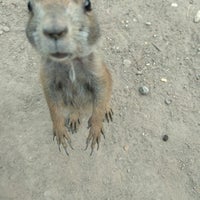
72, 87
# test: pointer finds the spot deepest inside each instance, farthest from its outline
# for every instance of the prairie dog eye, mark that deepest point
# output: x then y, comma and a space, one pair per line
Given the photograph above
87, 5
30, 8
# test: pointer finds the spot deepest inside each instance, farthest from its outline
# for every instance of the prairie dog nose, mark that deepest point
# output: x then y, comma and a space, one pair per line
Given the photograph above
55, 32
54, 26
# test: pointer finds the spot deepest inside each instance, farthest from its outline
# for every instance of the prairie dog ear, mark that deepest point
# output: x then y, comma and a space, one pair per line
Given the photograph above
87, 5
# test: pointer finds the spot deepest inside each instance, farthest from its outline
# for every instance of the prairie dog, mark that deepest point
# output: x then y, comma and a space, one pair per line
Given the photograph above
73, 75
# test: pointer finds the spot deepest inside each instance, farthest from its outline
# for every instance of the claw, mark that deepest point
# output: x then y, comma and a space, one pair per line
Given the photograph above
66, 151
102, 132
88, 141
58, 143
65, 145
107, 117
70, 144
71, 126
59, 147
110, 115
91, 152
87, 144
86, 147
67, 123
89, 124
111, 111
97, 144
94, 141
54, 135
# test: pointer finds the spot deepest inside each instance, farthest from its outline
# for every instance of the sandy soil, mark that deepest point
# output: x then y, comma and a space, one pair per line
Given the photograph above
146, 42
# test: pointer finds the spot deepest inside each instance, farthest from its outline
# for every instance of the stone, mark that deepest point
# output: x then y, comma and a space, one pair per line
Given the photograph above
197, 17
144, 90
165, 138
126, 148
6, 29
168, 101
127, 62
175, 5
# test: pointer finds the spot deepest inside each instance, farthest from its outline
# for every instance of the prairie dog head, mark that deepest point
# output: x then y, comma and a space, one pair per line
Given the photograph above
62, 29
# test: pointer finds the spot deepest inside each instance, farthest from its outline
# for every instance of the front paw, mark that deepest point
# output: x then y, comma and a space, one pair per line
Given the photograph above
73, 122
62, 138
94, 137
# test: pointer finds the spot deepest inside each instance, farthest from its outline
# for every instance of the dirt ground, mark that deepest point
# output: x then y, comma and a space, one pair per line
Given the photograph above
153, 43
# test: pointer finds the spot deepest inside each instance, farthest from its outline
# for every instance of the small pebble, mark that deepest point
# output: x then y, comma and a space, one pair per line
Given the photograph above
164, 80
168, 101
1, 32
165, 138
197, 17
198, 77
144, 90
191, 2
175, 5
148, 23
126, 148
6, 29
139, 73
127, 62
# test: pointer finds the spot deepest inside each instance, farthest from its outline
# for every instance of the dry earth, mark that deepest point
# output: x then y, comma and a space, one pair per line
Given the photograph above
146, 42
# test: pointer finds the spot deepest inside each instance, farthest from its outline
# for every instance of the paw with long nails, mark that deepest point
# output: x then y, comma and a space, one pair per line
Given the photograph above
73, 122
62, 138
94, 137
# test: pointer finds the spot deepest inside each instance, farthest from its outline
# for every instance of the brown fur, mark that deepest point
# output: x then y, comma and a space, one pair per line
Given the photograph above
78, 80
